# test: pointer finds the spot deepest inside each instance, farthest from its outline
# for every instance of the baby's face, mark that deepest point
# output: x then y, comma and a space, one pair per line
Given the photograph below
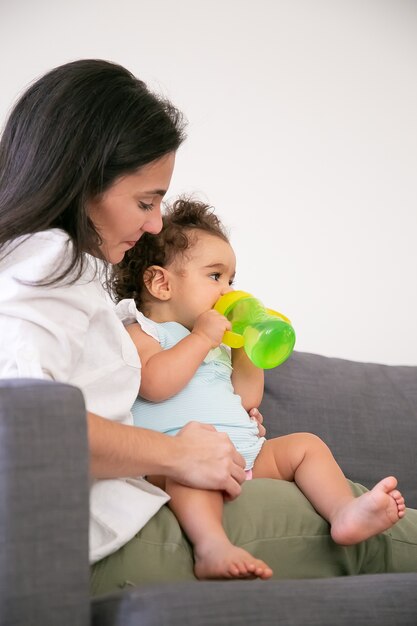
201, 277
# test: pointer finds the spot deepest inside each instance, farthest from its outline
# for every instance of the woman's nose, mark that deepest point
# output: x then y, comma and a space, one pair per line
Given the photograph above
153, 225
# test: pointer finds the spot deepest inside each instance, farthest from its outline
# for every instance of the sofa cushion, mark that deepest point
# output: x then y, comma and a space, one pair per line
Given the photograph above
366, 413
377, 600
274, 522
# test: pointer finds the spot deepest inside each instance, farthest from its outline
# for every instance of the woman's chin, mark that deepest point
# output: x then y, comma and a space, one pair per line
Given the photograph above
117, 255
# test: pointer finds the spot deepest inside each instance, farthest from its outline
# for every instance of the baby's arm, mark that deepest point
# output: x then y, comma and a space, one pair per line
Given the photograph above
247, 379
166, 372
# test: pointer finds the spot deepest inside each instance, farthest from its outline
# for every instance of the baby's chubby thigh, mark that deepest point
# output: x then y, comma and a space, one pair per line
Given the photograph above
279, 457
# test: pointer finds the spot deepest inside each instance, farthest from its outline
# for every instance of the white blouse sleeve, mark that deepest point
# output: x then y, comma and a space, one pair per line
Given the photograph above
42, 329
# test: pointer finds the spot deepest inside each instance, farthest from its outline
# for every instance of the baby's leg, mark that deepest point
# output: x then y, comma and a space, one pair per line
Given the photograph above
200, 514
305, 459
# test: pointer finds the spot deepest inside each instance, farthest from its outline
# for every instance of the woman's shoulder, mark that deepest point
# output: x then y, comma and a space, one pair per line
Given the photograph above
51, 249
34, 247
51, 237
40, 256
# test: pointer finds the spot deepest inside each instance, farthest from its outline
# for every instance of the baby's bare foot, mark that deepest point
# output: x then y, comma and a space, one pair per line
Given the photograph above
369, 514
228, 561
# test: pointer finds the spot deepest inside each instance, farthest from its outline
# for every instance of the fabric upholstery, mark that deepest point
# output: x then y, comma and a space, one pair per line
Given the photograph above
365, 412
359, 600
273, 521
43, 505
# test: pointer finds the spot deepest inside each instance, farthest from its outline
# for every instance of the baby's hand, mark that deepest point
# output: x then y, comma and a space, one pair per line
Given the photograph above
211, 325
258, 417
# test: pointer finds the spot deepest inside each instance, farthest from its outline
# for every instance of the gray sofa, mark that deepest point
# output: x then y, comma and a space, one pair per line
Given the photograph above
367, 414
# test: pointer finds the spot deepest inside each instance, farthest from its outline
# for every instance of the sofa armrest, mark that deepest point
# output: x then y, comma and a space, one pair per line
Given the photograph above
44, 571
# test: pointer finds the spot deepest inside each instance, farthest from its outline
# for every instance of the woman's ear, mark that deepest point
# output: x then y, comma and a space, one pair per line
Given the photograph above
156, 280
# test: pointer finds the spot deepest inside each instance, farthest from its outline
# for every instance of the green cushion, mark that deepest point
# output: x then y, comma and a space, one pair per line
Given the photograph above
275, 522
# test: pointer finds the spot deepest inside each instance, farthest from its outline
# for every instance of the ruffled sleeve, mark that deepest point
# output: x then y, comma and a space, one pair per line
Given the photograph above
128, 313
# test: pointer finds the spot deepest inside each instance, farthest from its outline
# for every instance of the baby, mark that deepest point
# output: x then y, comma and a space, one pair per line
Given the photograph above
167, 286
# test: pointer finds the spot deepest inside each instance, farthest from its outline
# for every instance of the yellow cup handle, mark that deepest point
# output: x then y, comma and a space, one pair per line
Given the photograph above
233, 340
277, 314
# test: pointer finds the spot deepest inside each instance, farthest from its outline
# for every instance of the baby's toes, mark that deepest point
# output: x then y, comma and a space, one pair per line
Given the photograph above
398, 497
258, 570
234, 569
244, 569
401, 509
264, 572
396, 494
399, 501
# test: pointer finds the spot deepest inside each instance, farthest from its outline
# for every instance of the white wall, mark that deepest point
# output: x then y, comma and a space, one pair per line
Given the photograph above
302, 132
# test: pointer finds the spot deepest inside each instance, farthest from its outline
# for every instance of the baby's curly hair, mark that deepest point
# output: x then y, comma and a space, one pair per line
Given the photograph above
180, 221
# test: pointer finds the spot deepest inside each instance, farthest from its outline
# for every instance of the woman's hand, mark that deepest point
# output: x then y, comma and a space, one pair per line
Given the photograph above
256, 415
207, 459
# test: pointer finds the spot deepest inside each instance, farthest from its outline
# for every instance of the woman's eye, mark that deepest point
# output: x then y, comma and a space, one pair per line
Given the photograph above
146, 207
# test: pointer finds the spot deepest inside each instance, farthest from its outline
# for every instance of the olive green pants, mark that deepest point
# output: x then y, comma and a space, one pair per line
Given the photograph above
274, 522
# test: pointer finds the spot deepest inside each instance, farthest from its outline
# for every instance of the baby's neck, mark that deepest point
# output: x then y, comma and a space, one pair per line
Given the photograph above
163, 312
159, 312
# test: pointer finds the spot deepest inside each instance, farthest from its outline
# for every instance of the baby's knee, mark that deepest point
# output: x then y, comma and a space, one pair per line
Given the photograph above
310, 441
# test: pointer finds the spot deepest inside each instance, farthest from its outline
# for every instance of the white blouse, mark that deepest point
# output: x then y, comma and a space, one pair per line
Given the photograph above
71, 333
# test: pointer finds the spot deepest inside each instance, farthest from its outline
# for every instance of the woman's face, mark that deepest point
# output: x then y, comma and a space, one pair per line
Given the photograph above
131, 207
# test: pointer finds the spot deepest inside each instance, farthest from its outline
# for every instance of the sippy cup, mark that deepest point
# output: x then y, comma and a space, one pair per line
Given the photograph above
266, 335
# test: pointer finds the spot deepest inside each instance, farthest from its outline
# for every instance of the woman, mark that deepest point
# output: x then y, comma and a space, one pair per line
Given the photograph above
85, 160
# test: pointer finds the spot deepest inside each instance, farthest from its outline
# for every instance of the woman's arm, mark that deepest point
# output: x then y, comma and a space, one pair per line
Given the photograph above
166, 372
247, 379
198, 456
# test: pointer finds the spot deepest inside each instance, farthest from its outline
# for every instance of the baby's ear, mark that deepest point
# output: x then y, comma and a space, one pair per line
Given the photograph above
156, 280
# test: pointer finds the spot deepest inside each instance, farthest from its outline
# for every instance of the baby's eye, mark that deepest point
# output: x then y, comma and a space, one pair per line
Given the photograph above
215, 276
231, 282
145, 207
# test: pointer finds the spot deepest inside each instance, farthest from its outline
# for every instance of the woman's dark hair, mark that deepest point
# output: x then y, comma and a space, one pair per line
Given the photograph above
68, 138
181, 223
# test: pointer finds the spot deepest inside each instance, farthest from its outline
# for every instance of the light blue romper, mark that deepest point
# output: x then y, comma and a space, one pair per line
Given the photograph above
208, 398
